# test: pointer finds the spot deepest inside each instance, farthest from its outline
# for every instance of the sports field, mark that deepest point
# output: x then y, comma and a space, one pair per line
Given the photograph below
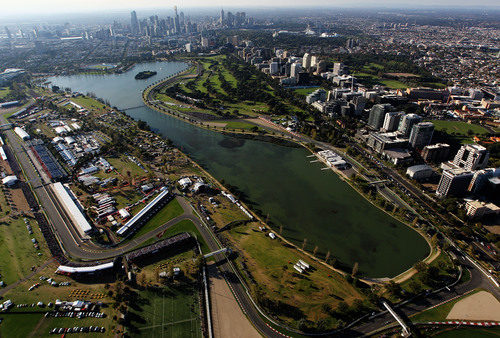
170, 312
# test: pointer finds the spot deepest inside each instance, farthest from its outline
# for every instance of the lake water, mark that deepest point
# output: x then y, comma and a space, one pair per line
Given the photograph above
278, 180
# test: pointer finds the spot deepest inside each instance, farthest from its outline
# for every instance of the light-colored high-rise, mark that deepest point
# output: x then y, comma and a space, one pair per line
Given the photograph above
471, 157
306, 61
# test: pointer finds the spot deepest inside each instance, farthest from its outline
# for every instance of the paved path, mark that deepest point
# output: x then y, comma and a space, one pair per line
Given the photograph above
22, 280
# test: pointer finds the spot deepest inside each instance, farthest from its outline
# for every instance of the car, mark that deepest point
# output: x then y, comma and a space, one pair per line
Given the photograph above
103, 329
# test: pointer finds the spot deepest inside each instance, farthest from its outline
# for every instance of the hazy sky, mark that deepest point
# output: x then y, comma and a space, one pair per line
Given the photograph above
52, 6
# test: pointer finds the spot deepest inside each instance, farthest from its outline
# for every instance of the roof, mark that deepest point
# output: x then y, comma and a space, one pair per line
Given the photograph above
419, 167
9, 180
74, 212
84, 269
141, 213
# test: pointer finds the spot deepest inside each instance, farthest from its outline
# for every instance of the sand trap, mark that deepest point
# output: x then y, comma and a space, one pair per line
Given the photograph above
479, 306
227, 318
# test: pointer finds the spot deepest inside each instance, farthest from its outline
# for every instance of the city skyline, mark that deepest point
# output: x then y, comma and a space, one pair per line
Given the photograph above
60, 6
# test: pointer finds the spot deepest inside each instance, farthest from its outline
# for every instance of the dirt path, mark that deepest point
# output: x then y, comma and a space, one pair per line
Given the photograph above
479, 306
227, 317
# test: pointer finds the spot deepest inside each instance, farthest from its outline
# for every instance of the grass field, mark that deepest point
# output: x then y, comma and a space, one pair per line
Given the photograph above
440, 312
123, 165
18, 252
183, 226
170, 312
171, 210
87, 102
459, 127
270, 263
239, 125
4, 91
305, 91
394, 84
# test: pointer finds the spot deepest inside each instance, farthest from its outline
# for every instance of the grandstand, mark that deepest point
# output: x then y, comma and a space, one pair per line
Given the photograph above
146, 213
164, 245
48, 162
71, 270
70, 207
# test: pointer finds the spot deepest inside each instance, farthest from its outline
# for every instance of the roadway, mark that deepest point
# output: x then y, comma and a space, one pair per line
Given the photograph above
427, 300
74, 247
84, 250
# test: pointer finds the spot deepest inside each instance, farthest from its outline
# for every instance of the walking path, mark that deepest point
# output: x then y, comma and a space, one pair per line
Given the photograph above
22, 280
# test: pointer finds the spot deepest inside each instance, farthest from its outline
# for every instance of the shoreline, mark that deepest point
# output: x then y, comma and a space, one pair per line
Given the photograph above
201, 124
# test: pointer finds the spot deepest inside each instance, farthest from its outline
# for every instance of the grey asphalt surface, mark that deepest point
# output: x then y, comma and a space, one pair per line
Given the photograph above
84, 250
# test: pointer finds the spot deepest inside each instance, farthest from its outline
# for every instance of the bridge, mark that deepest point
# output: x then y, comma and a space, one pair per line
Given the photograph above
378, 182
406, 330
8, 125
223, 250
130, 108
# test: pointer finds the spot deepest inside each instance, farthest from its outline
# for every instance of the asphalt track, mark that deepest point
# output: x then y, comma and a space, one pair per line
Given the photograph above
84, 250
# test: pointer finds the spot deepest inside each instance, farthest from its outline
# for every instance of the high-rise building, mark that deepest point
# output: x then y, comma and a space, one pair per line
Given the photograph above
377, 115
314, 61
306, 61
436, 153
134, 24
481, 178
407, 122
320, 67
177, 25
274, 68
295, 69
221, 19
421, 134
454, 182
471, 157
338, 68
391, 121
7, 31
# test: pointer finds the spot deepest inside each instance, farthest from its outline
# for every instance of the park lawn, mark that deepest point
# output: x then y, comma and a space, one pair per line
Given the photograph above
185, 225
88, 102
366, 75
214, 79
18, 252
249, 107
270, 262
172, 311
199, 82
239, 125
4, 91
439, 313
168, 212
442, 262
229, 77
123, 165
459, 127
305, 91
393, 84
126, 196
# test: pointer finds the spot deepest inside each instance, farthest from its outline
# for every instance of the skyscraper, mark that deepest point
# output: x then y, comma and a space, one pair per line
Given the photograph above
306, 61
391, 121
177, 25
421, 134
377, 115
222, 19
454, 182
407, 123
295, 69
134, 24
471, 157
7, 31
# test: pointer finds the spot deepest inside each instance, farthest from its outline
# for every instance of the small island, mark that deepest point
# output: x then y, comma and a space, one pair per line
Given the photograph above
145, 75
